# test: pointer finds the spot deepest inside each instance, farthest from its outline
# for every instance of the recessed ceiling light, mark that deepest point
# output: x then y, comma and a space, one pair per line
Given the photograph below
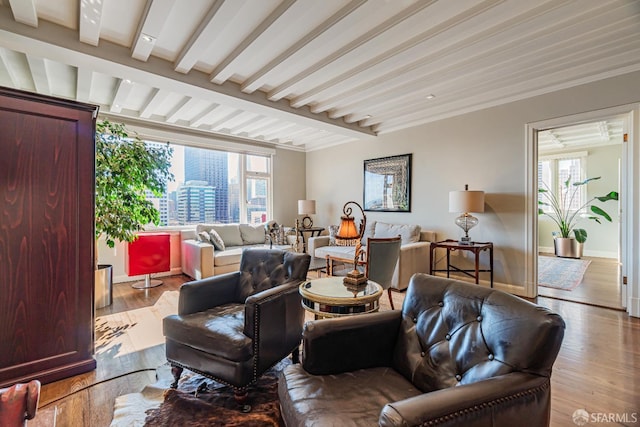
148, 38
368, 116
430, 96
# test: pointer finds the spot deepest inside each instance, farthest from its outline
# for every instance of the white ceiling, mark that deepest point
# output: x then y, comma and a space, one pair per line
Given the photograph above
309, 74
581, 136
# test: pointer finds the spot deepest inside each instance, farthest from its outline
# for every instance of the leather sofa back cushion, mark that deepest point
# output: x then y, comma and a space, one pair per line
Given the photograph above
408, 233
453, 335
253, 234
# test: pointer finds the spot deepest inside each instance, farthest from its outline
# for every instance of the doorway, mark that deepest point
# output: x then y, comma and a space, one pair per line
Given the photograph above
572, 154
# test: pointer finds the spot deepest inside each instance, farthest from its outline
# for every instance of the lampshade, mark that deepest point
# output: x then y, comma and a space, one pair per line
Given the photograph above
348, 234
306, 207
348, 229
466, 201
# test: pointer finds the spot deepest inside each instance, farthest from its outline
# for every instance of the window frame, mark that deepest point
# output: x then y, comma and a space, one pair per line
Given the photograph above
243, 175
555, 183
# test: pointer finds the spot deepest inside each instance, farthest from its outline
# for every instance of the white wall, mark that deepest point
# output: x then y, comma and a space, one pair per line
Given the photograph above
485, 149
602, 239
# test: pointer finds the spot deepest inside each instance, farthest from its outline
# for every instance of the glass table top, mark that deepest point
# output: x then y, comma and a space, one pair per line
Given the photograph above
332, 287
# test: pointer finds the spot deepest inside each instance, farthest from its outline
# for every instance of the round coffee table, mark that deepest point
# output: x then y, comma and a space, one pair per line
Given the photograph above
329, 297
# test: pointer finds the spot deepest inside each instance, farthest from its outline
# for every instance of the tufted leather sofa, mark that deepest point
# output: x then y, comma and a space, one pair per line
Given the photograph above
235, 326
456, 355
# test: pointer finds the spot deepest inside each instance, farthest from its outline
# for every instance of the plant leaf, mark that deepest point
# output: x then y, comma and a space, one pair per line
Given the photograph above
613, 195
580, 234
596, 210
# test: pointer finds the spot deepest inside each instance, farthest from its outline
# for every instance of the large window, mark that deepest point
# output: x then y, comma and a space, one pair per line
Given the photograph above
554, 171
216, 187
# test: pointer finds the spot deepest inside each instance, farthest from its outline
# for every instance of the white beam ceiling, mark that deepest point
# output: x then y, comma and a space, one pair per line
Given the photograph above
308, 74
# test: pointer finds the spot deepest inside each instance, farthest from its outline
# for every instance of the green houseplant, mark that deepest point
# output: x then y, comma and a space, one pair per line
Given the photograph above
126, 169
566, 218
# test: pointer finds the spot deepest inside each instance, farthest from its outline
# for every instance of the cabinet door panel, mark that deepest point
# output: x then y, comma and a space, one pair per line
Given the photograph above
46, 238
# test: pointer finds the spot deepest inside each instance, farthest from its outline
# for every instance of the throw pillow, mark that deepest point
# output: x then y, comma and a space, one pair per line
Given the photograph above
369, 231
230, 234
253, 234
203, 236
333, 232
408, 233
216, 240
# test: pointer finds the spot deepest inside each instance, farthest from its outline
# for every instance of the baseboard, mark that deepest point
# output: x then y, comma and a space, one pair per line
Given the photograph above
634, 307
125, 278
590, 253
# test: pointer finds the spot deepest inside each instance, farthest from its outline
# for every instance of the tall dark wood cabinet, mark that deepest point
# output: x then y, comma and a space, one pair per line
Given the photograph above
47, 167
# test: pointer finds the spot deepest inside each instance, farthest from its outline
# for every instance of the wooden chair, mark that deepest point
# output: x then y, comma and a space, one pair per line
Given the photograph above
379, 262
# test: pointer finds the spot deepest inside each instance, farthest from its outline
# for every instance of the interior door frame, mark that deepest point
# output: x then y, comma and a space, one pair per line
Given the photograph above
629, 247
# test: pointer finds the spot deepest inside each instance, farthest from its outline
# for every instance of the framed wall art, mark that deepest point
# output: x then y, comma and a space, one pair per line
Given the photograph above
387, 184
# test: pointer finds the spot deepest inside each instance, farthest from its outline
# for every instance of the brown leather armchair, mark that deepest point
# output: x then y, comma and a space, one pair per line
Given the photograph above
235, 326
456, 355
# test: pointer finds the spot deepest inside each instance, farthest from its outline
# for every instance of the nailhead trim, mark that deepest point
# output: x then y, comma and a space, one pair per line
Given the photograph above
255, 350
485, 405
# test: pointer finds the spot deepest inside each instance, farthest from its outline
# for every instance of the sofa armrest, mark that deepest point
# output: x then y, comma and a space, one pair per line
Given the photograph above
414, 258
211, 292
197, 259
507, 400
331, 346
316, 242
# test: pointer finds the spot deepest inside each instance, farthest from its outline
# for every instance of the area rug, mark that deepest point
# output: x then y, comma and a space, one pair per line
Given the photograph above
561, 273
159, 405
134, 330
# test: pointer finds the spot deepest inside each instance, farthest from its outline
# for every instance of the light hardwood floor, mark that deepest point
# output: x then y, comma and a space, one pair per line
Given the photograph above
598, 368
600, 285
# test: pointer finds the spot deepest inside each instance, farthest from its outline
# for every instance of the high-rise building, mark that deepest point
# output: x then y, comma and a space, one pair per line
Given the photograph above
196, 203
234, 201
212, 167
162, 205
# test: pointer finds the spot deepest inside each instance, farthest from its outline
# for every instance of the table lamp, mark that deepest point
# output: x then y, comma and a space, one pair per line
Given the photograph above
306, 208
465, 202
349, 234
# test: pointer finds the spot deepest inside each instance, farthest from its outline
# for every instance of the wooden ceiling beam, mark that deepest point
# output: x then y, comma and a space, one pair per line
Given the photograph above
224, 70
24, 11
90, 21
151, 24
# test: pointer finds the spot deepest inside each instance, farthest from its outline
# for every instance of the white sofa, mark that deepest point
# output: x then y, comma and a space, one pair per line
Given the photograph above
415, 253
200, 259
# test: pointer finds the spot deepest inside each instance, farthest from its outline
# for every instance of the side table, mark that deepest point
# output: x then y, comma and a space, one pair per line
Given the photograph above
474, 247
328, 297
314, 231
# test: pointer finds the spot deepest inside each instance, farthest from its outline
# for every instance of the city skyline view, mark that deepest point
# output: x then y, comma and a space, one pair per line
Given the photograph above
207, 189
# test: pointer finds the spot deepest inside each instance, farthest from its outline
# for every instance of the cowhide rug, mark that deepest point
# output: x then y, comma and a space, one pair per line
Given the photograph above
159, 405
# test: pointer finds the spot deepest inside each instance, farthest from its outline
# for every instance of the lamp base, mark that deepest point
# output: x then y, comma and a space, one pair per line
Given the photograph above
466, 240
355, 278
306, 222
147, 283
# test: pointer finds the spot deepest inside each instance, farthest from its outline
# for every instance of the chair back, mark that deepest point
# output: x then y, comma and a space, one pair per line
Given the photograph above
455, 333
382, 257
262, 269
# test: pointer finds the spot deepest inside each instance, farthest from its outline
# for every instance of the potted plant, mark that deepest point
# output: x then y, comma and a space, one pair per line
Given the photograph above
126, 169
567, 245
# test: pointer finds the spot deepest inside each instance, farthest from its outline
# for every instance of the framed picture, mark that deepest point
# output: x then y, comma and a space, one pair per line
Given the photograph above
387, 184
